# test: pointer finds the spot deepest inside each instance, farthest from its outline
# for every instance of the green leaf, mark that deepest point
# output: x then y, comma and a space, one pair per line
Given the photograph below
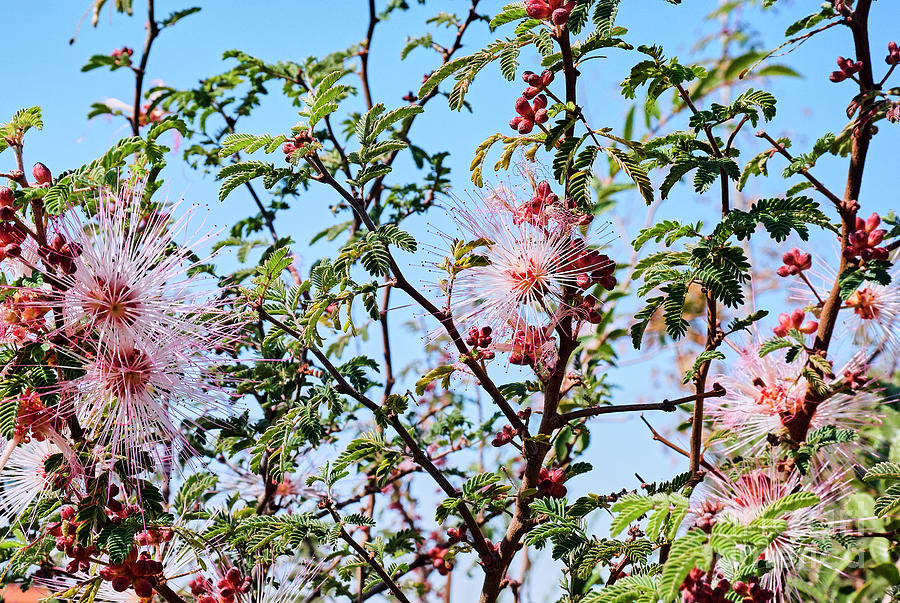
796, 500
686, 553
705, 356
510, 13
884, 470
442, 372
628, 509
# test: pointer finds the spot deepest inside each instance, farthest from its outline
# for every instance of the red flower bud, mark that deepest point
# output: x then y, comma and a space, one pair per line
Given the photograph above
41, 173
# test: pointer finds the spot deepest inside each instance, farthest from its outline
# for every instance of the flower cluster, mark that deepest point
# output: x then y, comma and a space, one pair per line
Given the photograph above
847, 69
795, 262
537, 269
556, 11
865, 240
529, 113
794, 320
893, 56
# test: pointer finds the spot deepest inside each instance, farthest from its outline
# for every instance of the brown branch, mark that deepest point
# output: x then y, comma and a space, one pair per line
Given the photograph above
669, 444
369, 558
419, 455
712, 342
386, 343
364, 55
815, 182
444, 318
167, 593
533, 451
140, 71
798, 424
665, 406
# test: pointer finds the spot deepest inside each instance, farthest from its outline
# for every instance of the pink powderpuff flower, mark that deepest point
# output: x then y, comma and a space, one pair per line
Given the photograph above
126, 273
532, 265
133, 397
25, 478
762, 393
750, 495
871, 315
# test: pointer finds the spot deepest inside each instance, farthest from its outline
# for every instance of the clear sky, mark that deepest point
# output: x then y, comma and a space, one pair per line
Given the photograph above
44, 69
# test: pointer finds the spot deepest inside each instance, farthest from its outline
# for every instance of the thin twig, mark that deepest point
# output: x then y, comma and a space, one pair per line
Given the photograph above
665, 406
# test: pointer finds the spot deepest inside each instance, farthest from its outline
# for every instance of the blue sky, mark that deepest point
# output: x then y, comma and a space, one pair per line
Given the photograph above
44, 69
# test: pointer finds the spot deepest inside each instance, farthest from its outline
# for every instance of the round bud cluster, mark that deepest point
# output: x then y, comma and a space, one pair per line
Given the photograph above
481, 338
504, 436
698, 588
526, 346
893, 57
752, 591
529, 114
154, 536
532, 211
554, 10
61, 253
301, 139
490, 559
864, 242
795, 262
64, 534
855, 379
33, 420
440, 560
226, 590
848, 68
695, 589
507, 433
536, 83
597, 268
410, 97
550, 483
590, 306
794, 320
137, 571
122, 52
706, 515
7, 204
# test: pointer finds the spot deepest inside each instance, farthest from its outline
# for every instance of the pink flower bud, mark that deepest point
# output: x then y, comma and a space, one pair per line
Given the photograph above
837, 76
872, 222
810, 326
876, 237
41, 173
523, 107
6, 196
525, 126
559, 16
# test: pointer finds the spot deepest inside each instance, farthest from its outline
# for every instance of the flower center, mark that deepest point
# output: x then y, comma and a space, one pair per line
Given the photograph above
130, 373
529, 278
772, 398
863, 302
113, 302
